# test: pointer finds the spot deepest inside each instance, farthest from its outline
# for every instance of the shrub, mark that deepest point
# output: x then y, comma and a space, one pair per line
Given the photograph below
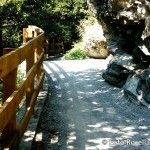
56, 18
77, 52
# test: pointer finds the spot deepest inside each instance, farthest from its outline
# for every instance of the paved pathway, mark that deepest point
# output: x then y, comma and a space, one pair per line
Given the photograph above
83, 112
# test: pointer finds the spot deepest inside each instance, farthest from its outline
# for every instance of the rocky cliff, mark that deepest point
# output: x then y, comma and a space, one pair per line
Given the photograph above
126, 26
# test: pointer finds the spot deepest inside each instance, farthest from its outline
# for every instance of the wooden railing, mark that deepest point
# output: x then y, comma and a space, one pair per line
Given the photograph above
32, 52
54, 46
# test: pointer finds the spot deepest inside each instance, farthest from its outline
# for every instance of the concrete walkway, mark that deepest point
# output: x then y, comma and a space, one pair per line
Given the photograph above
83, 112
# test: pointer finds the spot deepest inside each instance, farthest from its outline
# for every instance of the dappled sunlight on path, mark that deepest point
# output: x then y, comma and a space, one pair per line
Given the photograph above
83, 112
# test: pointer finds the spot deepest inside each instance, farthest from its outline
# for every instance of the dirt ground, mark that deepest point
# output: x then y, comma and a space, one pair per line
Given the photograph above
83, 112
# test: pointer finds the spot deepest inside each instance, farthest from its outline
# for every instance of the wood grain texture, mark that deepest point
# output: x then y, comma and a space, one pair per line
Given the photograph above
32, 52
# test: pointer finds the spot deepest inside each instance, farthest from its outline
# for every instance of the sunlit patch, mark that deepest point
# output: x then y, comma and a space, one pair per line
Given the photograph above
89, 131
53, 78
146, 134
125, 21
100, 80
95, 125
54, 67
143, 127
145, 50
110, 110
57, 87
47, 69
59, 95
61, 76
68, 92
66, 84
29, 135
127, 120
110, 129
127, 132
28, 139
131, 133
90, 85
71, 138
39, 136
97, 92
71, 126
80, 97
87, 79
70, 147
54, 139
70, 99
72, 135
85, 110
128, 128
99, 109
94, 103
93, 128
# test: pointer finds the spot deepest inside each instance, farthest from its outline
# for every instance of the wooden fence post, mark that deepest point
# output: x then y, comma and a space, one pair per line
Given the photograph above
12, 132
38, 52
9, 86
30, 90
1, 44
25, 35
29, 63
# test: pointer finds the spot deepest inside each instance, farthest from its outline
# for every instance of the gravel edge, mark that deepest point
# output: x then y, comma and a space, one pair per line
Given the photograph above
28, 137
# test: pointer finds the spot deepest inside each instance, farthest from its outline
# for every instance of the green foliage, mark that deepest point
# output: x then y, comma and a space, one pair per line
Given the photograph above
77, 52
55, 17
11, 24
20, 76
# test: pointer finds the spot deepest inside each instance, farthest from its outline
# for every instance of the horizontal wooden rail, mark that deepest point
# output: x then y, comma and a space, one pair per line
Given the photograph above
32, 52
54, 46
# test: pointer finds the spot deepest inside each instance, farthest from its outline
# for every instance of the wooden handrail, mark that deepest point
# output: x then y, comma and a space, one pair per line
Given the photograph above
32, 52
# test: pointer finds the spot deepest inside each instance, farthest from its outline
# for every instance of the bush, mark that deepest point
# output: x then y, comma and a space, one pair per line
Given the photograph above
77, 52
56, 18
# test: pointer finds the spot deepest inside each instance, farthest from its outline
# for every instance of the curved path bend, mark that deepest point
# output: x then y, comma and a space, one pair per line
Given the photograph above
83, 112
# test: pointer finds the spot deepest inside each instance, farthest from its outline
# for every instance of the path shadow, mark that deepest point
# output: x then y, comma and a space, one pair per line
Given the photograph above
83, 112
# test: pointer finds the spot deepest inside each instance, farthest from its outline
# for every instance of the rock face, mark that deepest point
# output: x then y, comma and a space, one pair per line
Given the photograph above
138, 87
128, 20
126, 26
95, 42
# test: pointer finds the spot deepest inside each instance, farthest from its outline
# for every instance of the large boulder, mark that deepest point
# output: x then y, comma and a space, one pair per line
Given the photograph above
97, 49
131, 85
118, 70
95, 42
116, 74
124, 60
144, 86
137, 87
